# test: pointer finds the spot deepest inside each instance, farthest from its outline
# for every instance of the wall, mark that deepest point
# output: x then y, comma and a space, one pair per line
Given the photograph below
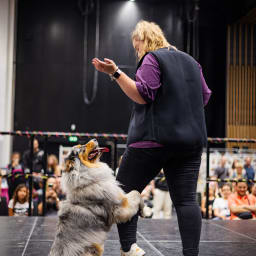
7, 19
50, 60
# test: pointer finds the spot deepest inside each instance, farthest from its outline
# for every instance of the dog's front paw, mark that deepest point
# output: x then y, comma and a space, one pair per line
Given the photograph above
135, 196
146, 212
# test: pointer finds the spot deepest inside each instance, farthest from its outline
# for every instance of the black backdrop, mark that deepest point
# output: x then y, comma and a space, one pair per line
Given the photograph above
49, 62
49, 88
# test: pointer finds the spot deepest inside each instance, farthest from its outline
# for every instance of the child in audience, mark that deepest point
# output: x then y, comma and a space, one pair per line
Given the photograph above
19, 204
16, 171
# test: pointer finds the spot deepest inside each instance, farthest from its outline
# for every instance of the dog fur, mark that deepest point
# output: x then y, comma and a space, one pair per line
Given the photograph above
94, 202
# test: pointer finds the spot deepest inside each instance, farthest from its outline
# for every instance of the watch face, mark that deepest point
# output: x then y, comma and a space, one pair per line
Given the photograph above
117, 73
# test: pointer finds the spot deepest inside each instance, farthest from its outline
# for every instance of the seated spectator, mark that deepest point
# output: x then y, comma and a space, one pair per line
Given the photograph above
220, 205
4, 184
239, 173
161, 198
253, 189
51, 199
3, 202
16, 173
232, 170
19, 204
211, 200
222, 172
250, 173
241, 204
53, 168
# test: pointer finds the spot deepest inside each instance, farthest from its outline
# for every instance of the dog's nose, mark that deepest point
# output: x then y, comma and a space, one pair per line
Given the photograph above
94, 140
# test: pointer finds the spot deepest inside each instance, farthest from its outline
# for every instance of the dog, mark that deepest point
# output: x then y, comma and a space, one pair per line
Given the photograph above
95, 201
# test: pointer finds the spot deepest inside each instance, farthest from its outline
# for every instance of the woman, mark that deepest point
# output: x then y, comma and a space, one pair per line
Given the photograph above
167, 129
53, 167
220, 205
211, 200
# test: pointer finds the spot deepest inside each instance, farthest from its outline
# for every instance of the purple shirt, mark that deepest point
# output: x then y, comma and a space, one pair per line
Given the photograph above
148, 82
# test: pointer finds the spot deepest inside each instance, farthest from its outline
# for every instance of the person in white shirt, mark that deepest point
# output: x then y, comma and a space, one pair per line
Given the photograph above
19, 204
220, 205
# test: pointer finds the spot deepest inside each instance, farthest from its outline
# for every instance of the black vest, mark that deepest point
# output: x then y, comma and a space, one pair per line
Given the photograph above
176, 117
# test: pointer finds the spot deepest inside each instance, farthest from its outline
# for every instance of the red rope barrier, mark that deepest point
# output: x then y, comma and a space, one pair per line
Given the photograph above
108, 136
64, 134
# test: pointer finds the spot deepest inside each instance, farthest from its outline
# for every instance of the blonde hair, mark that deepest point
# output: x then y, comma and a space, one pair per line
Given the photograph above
152, 36
239, 165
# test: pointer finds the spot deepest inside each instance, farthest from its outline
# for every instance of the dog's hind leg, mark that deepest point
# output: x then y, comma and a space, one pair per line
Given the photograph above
95, 250
130, 205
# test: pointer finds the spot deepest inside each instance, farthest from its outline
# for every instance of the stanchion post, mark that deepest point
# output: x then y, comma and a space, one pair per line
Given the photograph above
44, 179
207, 178
31, 175
115, 155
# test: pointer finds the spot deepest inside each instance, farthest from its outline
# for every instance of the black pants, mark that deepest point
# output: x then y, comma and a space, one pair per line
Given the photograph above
139, 166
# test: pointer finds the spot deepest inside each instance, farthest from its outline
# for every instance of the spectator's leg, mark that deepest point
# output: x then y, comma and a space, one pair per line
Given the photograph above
182, 174
138, 167
158, 202
167, 206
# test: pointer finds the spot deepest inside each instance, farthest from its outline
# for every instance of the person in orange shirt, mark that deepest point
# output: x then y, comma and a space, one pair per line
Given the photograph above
241, 204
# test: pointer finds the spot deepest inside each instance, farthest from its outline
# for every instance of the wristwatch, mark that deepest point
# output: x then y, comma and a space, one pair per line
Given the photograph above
116, 74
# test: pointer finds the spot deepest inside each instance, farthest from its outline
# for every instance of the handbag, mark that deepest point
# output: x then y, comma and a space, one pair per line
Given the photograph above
245, 215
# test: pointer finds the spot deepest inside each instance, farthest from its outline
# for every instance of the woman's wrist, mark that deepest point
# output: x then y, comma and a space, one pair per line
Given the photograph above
113, 72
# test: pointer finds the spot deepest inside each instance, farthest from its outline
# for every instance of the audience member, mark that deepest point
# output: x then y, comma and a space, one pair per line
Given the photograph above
250, 173
3, 202
4, 184
51, 198
221, 172
220, 205
16, 173
19, 204
162, 204
232, 170
253, 189
53, 168
241, 204
239, 172
37, 164
211, 200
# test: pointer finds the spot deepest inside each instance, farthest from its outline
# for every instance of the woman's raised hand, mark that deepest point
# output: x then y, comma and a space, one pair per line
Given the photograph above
107, 66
